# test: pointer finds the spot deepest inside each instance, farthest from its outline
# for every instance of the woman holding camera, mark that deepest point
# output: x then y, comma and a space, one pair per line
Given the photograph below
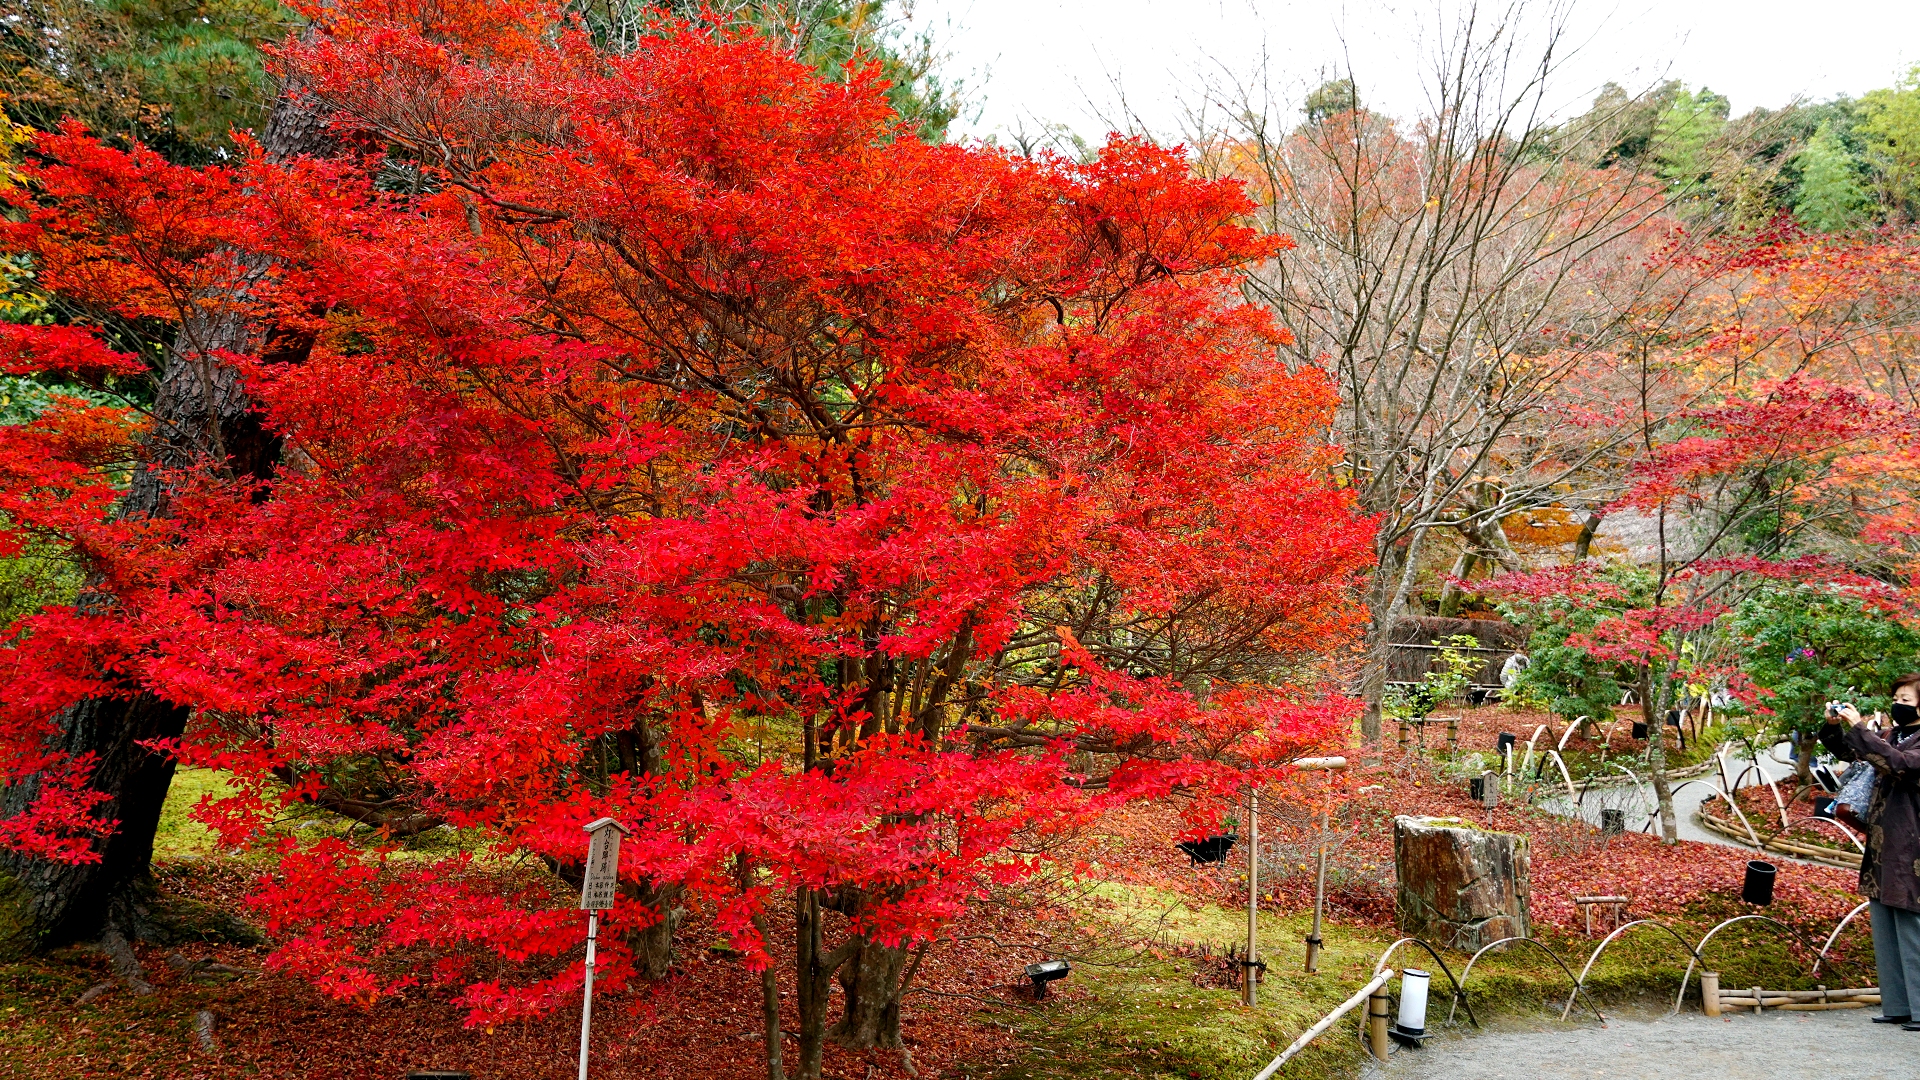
1890, 869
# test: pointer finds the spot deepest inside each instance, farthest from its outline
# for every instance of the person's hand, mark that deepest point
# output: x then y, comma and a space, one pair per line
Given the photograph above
1851, 715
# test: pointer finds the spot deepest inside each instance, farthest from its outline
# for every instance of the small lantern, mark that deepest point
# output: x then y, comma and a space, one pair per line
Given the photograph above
1411, 1028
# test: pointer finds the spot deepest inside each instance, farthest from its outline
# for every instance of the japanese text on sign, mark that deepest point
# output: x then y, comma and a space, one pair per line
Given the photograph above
603, 869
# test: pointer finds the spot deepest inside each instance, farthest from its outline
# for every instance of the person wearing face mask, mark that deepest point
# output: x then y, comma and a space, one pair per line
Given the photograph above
1890, 869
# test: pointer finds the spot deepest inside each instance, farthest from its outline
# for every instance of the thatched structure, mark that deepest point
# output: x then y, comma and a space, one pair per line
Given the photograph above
1413, 650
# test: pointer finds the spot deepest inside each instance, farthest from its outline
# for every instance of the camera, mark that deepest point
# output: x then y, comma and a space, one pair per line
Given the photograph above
1834, 707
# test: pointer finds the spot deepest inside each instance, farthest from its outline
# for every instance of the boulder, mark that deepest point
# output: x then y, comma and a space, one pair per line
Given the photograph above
1459, 887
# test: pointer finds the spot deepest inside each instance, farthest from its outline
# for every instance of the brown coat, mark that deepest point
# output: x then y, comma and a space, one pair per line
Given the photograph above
1890, 870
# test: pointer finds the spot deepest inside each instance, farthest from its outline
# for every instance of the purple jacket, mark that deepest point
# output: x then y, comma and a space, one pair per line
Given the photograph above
1890, 870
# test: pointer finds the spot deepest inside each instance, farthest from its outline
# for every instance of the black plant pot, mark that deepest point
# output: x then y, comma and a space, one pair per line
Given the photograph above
1613, 822
1211, 850
1639, 729
1507, 740
1759, 885
1823, 807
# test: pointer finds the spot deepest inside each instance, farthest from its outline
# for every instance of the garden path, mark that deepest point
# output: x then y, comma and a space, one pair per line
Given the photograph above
1778, 1046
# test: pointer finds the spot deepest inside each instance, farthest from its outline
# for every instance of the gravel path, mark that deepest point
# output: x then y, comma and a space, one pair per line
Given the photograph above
1686, 801
1778, 1046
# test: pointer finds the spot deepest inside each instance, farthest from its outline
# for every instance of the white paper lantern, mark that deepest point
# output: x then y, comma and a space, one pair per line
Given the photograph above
1413, 1001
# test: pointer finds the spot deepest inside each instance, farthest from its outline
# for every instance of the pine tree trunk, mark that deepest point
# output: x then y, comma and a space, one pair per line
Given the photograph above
201, 418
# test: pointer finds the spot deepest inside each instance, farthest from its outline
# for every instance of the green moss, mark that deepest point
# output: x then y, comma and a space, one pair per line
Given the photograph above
16, 932
1141, 1014
179, 836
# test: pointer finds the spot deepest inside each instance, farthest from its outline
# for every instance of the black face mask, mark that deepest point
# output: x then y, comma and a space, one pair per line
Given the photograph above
1904, 714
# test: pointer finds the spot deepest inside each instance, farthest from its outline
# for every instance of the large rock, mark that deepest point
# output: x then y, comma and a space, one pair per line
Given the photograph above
1459, 886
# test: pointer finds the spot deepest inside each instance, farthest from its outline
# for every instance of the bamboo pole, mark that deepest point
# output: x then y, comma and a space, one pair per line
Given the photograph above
1248, 969
1379, 1009
1308, 1036
1710, 992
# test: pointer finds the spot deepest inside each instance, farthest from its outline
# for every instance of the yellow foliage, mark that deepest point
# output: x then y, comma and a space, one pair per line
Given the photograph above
1549, 526
12, 136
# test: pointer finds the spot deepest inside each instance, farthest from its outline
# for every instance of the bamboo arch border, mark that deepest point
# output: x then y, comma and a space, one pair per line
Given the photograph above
1692, 953
1764, 918
1579, 984
1835, 936
1578, 990
1459, 994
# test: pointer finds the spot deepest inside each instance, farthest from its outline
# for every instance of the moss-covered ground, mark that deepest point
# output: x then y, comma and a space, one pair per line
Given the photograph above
1145, 1016
1151, 998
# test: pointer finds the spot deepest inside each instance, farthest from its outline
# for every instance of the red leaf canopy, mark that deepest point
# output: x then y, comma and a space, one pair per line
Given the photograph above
658, 401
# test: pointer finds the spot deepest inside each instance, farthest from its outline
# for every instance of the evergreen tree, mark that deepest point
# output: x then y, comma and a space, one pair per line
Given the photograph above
1683, 136
1890, 130
1831, 196
178, 75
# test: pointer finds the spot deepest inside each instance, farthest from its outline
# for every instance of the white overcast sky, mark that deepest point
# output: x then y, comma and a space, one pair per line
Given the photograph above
1071, 61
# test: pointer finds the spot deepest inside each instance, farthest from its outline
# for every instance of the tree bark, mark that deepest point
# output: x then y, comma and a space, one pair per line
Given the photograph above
1451, 593
870, 981
1386, 598
770, 1007
1583, 544
814, 968
1657, 763
652, 945
201, 418
1458, 887
54, 903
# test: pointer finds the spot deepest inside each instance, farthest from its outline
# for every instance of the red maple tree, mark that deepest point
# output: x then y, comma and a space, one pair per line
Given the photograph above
670, 436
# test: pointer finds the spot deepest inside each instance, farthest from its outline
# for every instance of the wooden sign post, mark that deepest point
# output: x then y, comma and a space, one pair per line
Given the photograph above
596, 895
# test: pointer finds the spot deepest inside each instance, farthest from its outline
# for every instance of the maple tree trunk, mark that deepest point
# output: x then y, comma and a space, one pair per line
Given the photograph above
1451, 593
1804, 746
870, 980
813, 970
1386, 597
1657, 764
1583, 543
652, 945
200, 414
